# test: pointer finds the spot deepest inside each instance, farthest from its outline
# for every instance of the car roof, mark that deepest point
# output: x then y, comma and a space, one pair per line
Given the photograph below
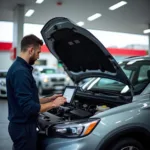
136, 57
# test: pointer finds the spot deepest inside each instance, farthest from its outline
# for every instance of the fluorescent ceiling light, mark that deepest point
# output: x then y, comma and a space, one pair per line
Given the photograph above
39, 1
146, 31
29, 12
80, 23
93, 17
120, 4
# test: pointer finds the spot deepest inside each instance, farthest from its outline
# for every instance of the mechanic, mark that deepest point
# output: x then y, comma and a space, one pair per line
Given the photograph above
24, 104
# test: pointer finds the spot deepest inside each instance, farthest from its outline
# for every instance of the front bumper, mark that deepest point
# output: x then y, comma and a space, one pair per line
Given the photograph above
53, 86
3, 91
89, 142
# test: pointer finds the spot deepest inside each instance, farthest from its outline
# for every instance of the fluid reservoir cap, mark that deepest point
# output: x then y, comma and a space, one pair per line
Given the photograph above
102, 108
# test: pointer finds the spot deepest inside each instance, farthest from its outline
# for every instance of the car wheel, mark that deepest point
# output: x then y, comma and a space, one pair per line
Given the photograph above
127, 144
40, 89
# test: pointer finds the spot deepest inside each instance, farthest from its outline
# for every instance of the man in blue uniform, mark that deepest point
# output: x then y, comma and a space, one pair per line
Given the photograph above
24, 104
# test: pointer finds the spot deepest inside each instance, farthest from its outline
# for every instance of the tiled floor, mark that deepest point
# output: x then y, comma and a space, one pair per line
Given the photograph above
5, 141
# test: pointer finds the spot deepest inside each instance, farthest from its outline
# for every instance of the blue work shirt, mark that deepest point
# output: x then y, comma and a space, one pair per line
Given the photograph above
22, 93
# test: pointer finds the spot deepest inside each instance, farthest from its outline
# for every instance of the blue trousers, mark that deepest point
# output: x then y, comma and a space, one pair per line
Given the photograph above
24, 136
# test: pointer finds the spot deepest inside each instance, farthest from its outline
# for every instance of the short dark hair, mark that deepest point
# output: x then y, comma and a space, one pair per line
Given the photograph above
30, 40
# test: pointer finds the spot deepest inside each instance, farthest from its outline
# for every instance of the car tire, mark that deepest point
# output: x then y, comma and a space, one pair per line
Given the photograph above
127, 144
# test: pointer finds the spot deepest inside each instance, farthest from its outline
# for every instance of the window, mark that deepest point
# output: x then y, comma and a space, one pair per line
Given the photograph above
143, 73
127, 72
41, 62
107, 84
137, 71
48, 71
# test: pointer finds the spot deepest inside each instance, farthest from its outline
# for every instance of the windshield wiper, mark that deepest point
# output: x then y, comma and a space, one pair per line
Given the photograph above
120, 96
97, 91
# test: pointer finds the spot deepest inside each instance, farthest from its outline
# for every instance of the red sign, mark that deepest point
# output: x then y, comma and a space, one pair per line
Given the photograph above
5, 46
114, 51
13, 52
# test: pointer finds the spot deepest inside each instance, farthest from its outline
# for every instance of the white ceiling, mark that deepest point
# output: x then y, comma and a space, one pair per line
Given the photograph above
131, 18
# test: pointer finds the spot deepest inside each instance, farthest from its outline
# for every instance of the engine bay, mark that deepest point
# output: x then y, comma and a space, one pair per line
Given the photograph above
76, 110
82, 105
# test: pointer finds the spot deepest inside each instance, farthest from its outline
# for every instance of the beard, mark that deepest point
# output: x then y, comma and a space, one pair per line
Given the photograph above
32, 60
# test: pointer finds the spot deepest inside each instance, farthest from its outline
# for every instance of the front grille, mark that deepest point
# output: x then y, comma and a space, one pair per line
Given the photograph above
3, 92
58, 85
62, 79
57, 80
54, 80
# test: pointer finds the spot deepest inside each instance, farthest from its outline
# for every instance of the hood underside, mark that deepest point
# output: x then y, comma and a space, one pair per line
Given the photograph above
81, 54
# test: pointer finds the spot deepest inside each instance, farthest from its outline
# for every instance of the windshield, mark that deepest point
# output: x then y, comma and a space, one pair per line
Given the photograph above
3, 74
49, 71
137, 71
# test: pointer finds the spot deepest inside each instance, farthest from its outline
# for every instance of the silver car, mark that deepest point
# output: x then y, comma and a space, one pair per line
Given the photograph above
49, 79
3, 91
111, 111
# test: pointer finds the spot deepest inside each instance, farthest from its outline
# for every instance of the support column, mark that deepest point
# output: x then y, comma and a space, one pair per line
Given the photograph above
149, 45
18, 26
149, 41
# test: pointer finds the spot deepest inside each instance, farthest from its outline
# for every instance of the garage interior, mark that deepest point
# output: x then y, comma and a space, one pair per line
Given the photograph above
133, 18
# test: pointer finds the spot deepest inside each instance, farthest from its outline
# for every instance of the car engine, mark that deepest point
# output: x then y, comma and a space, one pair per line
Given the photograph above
75, 111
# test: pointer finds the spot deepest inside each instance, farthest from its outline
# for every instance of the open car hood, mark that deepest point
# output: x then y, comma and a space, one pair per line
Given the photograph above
81, 54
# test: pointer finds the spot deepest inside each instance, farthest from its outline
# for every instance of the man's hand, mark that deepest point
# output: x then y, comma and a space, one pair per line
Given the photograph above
54, 97
49, 99
59, 101
53, 104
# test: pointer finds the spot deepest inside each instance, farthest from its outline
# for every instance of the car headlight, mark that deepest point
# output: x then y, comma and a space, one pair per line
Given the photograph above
73, 129
45, 80
67, 79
